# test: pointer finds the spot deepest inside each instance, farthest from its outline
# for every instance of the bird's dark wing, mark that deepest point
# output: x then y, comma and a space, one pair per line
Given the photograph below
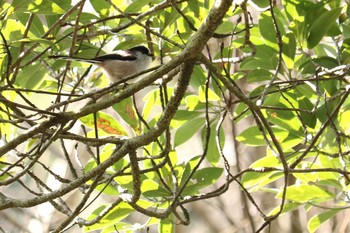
115, 56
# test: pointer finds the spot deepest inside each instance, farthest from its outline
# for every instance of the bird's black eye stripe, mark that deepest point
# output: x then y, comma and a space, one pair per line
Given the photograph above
114, 57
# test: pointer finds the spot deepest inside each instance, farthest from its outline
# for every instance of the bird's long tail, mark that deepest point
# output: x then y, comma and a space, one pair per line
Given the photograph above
61, 57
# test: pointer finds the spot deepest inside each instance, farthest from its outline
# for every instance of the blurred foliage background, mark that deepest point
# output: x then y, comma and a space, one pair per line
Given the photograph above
241, 125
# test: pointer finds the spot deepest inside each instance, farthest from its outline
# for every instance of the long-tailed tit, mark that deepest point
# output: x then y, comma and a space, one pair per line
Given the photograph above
119, 64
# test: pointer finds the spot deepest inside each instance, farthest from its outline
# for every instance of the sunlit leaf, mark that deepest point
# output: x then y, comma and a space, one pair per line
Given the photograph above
193, 103
251, 179
267, 29
211, 95
35, 40
289, 49
120, 212
166, 226
151, 188
253, 137
318, 219
304, 193
101, 7
267, 161
136, 6
286, 208
43, 7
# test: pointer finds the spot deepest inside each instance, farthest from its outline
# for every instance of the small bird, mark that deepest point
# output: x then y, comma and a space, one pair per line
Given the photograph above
119, 64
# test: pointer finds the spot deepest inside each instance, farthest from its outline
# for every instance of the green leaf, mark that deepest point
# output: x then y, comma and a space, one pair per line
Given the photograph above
283, 118
201, 179
316, 221
114, 217
307, 177
194, 6
298, 25
136, 6
166, 226
36, 26
151, 189
31, 76
199, 73
39, 6
288, 49
331, 87
308, 118
35, 40
305, 192
267, 29
107, 189
252, 136
118, 213
225, 28
4, 175
344, 122
277, 111
345, 50
261, 3
258, 75
101, 7
266, 161
187, 130
211, 95
291, 11
126, 110
152, 101
193, 103
288, 207
104, 122
213, 154
307, 66
186, 173
326, 109
118, 165
321, 26
259, 179
182, 116
207, 176
13, 30
121, 226
265, 58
